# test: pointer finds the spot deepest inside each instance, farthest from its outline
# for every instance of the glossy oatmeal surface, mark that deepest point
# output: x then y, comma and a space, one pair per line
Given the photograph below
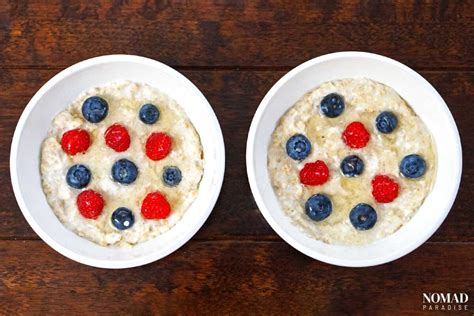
364, 100
124, 101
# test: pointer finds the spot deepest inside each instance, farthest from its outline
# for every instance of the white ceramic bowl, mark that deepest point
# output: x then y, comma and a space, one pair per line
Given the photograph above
426, 102
54, 97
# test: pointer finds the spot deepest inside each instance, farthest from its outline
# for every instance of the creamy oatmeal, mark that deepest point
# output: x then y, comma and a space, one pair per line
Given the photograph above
386, 183
175, 147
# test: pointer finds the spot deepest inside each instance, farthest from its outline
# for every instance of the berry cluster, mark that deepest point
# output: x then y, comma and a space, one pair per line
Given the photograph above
158, 145
385, 188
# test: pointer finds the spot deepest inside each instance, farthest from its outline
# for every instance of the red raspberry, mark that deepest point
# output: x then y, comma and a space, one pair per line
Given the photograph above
158, 146
155, 206
75, 141
384, 189
117, 137
90, 204
356, 135
314, 173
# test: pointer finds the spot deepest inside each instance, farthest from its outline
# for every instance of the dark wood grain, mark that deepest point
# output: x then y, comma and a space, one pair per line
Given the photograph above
236, 33
235, 96
228, 278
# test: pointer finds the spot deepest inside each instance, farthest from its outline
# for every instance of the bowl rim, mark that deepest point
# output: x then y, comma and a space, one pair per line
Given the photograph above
135, 261
258, 196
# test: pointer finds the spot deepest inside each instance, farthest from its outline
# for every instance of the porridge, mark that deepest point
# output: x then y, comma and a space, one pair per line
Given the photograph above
121, 164
351, 162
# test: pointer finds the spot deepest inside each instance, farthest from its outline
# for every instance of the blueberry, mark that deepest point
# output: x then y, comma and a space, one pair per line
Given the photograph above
352, 166
413, 166
318, 207
95, 109
172, 176
298, 147
149, 113
386, 122
332, 105
122, 218
78, 176
363, 216
124, 171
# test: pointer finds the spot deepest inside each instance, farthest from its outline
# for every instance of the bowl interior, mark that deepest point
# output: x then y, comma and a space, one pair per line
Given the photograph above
425, 101
54, 97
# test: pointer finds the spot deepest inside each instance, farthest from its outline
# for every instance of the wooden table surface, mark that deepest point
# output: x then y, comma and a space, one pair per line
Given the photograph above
234, 51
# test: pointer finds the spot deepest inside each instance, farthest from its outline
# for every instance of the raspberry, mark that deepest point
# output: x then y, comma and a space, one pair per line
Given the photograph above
75, 141
356, 135
90, 204
117, 138
384, 189
158, 146
314, 173
155, 206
